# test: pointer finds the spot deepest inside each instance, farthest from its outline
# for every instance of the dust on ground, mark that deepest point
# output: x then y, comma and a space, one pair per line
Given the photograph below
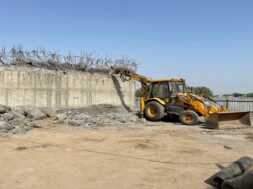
132, 155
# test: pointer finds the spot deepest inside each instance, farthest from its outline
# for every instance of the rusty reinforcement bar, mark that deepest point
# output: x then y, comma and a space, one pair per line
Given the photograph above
53, 60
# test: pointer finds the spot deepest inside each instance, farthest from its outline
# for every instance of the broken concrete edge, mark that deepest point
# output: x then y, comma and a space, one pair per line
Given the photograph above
63, 69
40, 57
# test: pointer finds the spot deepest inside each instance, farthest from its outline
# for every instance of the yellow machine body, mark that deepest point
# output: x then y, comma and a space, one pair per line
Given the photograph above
182, 103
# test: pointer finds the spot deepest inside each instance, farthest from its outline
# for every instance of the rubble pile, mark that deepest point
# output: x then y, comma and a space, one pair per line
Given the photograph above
97, 116
21, 119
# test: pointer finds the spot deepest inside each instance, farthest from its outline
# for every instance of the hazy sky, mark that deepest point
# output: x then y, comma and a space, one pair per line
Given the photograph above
208, 42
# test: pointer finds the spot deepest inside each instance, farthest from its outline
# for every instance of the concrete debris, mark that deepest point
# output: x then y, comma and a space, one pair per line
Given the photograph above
49, 113
53, 60
97, 116
4, 109
33, 113
20, 119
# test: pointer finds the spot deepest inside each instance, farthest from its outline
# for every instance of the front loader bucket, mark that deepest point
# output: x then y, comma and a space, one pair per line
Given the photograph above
228, 120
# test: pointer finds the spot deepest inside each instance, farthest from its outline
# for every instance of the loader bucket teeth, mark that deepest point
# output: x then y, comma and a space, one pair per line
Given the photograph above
228, 120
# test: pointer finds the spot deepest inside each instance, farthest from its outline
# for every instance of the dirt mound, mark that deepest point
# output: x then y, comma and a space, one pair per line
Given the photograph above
97, 116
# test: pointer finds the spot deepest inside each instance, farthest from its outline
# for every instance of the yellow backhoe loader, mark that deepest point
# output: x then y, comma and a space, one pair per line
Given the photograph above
171, 97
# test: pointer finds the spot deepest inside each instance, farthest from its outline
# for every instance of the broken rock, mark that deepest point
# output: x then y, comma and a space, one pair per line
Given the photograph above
4, 109
2, 125
34, 113
49, 112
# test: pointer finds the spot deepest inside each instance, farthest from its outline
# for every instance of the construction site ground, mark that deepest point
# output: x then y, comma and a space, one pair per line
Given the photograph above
138, 155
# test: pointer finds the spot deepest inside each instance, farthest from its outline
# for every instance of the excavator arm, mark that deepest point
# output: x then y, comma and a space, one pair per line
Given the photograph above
126, 75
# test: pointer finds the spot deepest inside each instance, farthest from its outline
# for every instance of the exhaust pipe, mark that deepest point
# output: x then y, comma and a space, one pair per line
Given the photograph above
228, 120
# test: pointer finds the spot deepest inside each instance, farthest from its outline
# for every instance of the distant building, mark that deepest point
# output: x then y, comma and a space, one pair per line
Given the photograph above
234, 95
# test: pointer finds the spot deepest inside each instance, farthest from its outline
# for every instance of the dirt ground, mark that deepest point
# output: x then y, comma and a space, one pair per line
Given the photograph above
144, 155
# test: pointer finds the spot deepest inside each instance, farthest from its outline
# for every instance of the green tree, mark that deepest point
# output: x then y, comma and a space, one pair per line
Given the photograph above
201, 91
250, 95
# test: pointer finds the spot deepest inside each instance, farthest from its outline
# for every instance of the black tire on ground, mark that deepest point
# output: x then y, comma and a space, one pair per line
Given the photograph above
189, 118
154, 111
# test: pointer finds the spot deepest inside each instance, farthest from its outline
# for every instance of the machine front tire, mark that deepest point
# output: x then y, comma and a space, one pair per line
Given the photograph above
189, 118
154, 111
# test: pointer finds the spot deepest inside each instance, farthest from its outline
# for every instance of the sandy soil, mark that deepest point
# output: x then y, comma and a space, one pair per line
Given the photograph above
149, 155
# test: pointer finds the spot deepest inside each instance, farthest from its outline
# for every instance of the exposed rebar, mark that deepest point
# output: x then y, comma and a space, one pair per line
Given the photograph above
54, 60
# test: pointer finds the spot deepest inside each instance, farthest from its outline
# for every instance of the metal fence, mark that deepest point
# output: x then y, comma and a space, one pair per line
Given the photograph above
236, 103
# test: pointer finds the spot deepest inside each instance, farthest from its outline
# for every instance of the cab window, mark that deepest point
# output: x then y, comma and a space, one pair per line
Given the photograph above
160, 90
177, 87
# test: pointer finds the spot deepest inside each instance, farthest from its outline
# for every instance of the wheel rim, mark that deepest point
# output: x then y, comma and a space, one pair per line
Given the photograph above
188, 119
152, 110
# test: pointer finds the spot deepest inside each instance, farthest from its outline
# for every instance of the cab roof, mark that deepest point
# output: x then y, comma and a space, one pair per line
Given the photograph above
167, 80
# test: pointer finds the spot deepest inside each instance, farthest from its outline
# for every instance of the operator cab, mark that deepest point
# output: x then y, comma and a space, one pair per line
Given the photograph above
167, 89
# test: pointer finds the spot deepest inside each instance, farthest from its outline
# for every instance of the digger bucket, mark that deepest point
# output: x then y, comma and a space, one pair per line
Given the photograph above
228, 120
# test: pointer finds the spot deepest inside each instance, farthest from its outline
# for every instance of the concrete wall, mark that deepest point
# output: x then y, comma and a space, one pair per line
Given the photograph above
49, 88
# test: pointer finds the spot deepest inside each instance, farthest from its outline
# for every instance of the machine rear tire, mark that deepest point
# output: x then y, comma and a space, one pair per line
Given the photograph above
154, 111
189, 118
